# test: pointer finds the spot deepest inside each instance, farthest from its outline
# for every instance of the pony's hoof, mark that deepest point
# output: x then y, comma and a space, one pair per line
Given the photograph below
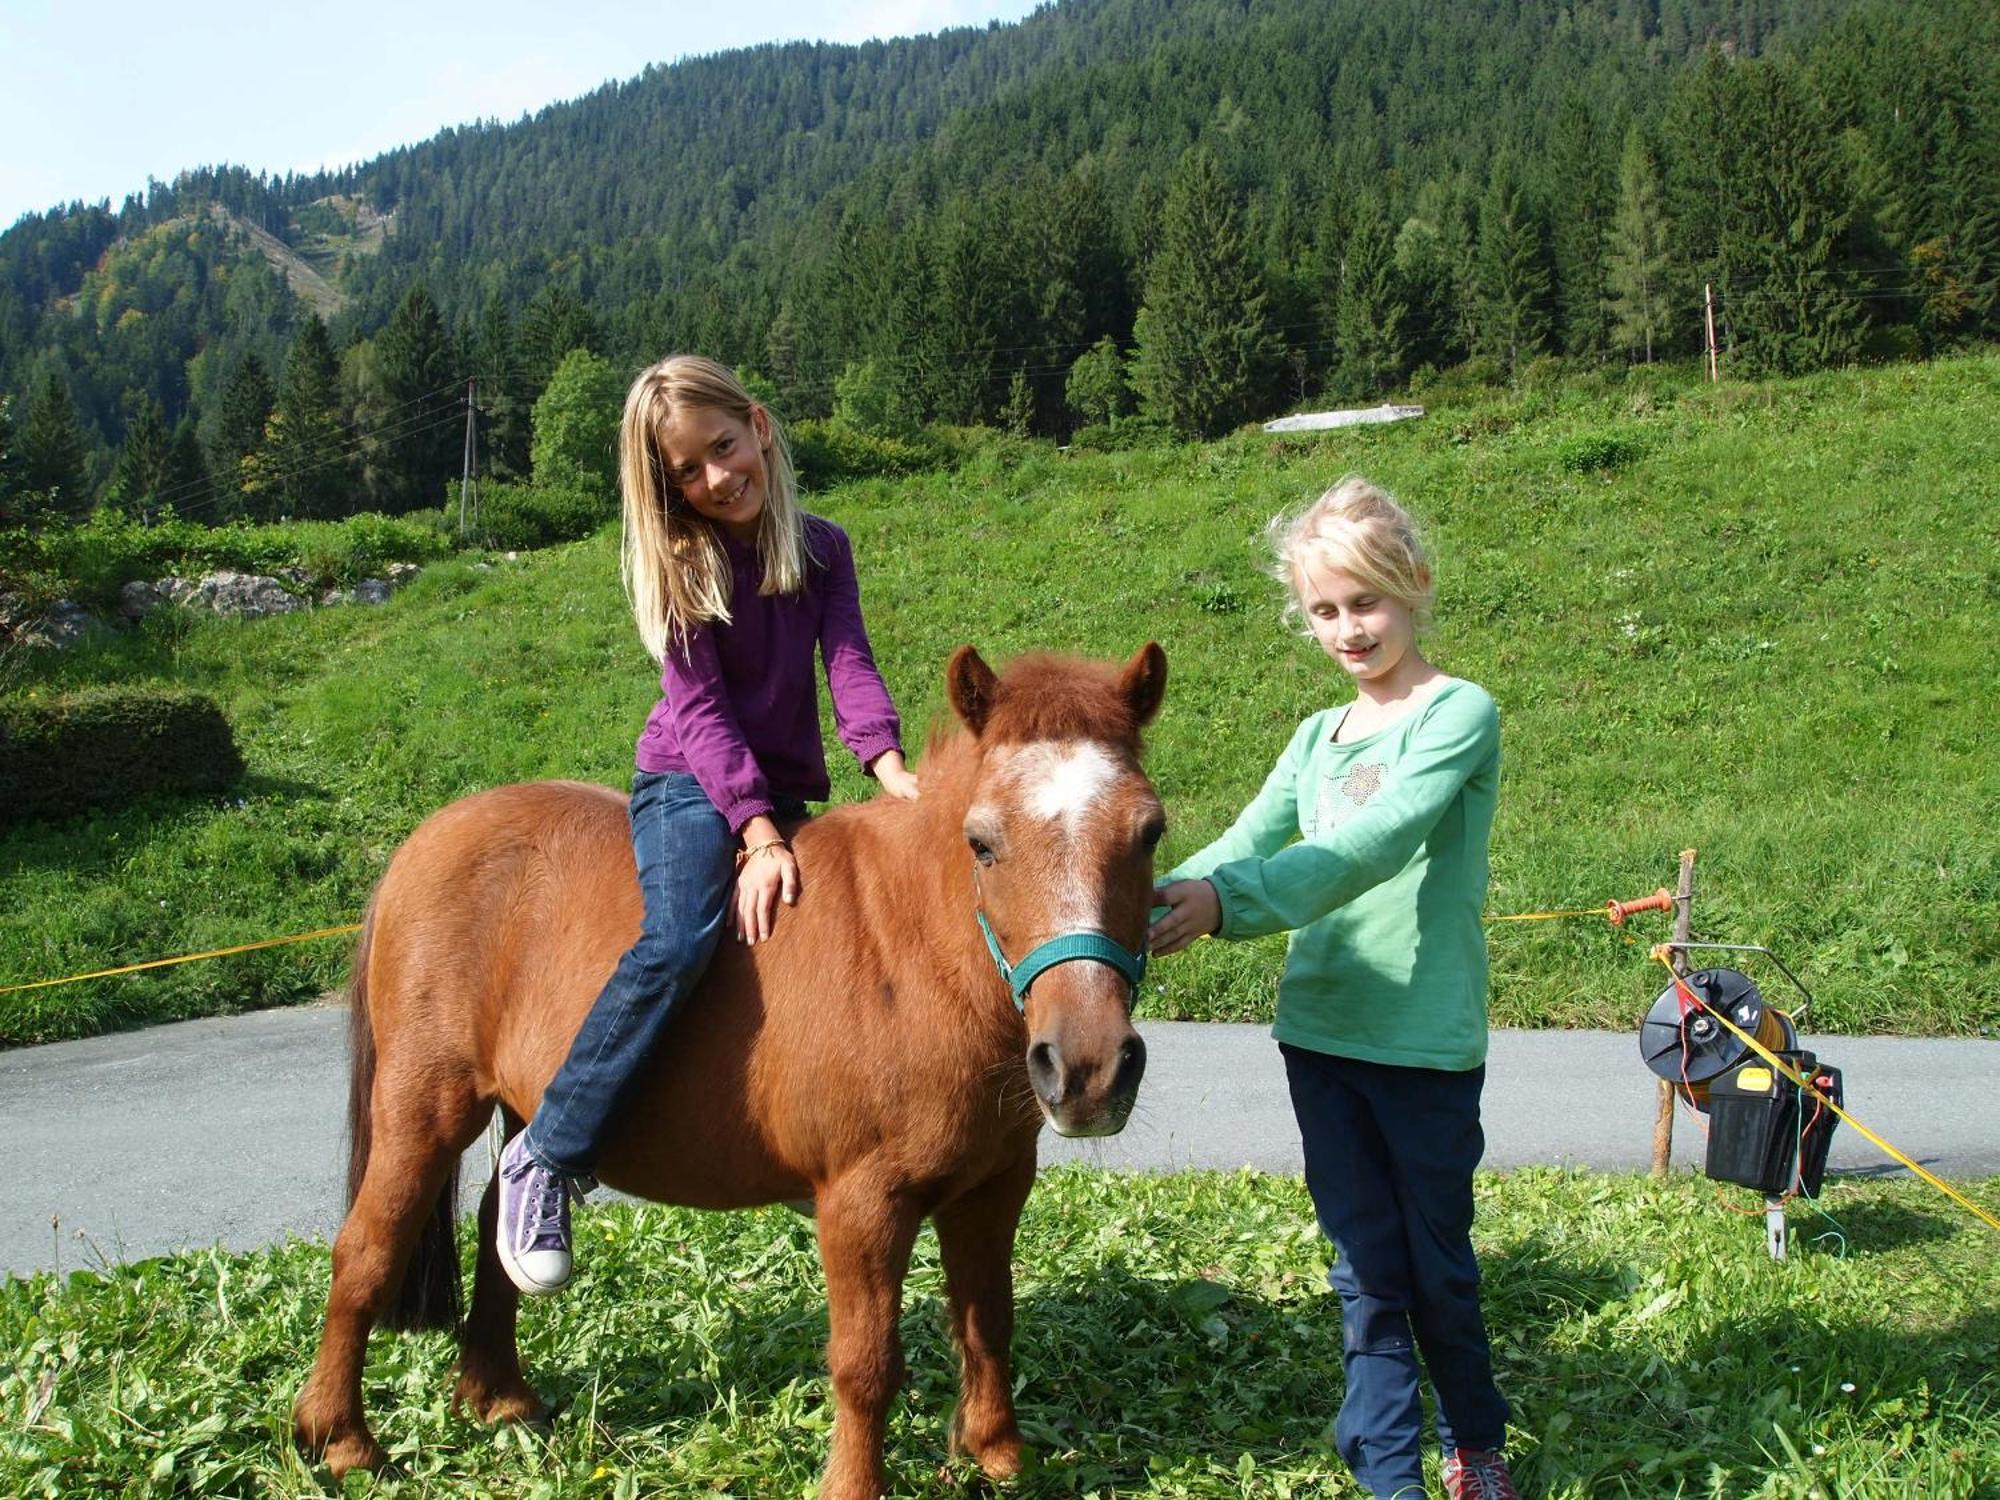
510, 1402
998, 1457
1001, 1460
345, 1454
341, 1442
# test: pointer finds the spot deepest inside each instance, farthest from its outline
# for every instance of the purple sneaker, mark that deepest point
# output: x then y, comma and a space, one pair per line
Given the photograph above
533, 1237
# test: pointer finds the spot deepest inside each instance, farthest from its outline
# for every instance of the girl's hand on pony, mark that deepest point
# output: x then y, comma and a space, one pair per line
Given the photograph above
768, 874
1193, 911
896, 778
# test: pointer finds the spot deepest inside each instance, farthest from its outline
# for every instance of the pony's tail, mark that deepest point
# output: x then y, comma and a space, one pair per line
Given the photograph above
428, 1297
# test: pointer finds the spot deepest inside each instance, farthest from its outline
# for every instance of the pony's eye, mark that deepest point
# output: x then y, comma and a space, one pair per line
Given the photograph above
980, 851
1151, 835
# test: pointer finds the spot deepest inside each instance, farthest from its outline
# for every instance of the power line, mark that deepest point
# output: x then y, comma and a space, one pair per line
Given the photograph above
215, 496
357, 436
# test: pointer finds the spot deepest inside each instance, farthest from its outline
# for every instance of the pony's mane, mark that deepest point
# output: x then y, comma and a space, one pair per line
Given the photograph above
1041, 696
1049, 697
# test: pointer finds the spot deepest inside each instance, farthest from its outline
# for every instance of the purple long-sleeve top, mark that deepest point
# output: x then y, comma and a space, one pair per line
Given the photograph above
739, 703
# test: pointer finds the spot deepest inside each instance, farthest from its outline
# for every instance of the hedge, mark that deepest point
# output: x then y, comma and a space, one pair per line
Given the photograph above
110, 745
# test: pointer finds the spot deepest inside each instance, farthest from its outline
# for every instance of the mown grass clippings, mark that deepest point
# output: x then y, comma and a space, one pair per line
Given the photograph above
1175, 1339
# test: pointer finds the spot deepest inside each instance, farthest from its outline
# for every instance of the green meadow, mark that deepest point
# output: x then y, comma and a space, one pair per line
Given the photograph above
1175, 1339
1751, 619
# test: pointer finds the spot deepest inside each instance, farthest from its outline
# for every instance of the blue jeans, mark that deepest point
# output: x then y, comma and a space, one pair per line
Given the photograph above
1389, 1157
687, 862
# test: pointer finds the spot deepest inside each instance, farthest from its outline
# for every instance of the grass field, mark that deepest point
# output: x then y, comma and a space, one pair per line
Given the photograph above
1176, 1339
1753, 620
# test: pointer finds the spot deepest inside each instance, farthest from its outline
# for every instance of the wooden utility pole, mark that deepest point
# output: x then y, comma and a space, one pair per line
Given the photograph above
1663, 1122
1708, 314
465, 479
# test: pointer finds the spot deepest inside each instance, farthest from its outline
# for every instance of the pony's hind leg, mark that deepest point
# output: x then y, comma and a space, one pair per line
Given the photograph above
490, 1383
976, 1243
417, 1137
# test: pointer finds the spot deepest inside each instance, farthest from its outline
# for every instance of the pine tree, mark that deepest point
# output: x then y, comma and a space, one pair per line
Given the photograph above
1790, 298
239, 430
52, 452
421, 445
1072, 287
906, 353
1018, 416
185, 483
962, 327
1369, 308
555, 323
1513, 280
1580, 192
1205, 356
1958, 267
1636, 277
305, 467
504, 436
784, 357
139, 476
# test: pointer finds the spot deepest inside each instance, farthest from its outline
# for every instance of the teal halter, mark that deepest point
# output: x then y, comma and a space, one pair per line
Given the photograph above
1063, 949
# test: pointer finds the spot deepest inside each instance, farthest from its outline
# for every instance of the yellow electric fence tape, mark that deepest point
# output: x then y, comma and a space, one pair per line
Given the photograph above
185, 958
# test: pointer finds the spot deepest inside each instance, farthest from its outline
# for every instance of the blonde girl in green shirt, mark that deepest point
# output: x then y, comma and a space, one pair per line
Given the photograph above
1368, 843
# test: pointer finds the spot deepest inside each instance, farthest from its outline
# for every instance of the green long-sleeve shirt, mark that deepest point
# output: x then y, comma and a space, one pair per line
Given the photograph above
1383, 890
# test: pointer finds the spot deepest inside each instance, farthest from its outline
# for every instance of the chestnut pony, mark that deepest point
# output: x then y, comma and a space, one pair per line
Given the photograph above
873, 1056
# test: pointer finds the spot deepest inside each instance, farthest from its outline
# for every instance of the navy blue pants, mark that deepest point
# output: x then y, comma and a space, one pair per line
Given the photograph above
1389, 1158
687, 863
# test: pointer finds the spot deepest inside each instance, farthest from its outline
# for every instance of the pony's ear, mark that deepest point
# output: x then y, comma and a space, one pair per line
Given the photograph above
972, 685
1144, 682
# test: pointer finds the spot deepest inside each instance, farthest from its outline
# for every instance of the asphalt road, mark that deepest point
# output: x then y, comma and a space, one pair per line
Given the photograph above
229, 1131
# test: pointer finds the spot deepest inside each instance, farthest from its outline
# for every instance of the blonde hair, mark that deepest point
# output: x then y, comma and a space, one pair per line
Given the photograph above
1357, 528
676, 572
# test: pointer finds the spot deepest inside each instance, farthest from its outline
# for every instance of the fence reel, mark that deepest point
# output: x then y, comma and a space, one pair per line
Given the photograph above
1687, 1046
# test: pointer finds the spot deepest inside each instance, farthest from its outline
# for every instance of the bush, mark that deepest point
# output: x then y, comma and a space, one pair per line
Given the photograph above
1477, 379
866, 398
1592, 452
95, 559
1119, 434
826, 452
108, 549
340, 552
518, 517
110, 745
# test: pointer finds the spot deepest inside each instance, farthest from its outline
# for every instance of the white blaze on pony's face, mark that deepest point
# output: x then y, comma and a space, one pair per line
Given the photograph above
1063, 782
1065, 787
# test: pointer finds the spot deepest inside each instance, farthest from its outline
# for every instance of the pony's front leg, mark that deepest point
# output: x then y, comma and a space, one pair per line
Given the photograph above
866, 1229
976, 1241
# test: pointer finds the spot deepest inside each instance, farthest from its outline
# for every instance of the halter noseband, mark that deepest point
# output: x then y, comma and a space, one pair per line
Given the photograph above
1062, 949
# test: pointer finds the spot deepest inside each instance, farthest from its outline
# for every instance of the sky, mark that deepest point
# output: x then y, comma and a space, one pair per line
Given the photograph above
97, 95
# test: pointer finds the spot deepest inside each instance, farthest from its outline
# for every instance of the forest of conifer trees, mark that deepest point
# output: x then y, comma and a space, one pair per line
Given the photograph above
1174, 214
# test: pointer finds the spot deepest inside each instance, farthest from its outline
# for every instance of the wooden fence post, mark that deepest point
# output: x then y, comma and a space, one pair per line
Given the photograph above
1663, 1121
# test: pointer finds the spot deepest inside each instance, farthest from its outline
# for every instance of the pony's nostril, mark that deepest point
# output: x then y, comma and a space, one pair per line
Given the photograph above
1045, 1071
1131, 1066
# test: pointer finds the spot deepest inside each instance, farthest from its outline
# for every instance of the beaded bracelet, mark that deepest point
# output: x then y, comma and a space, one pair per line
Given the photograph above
744, 856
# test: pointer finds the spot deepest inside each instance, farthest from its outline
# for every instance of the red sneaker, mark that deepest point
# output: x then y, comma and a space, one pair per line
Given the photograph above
1478, 1474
